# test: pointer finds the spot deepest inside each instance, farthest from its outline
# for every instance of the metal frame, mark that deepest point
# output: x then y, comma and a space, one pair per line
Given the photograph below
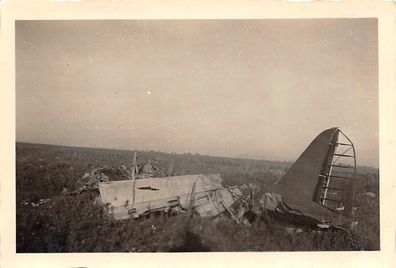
324, 199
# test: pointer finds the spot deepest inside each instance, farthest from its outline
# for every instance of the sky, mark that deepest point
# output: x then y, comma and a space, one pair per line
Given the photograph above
240, 88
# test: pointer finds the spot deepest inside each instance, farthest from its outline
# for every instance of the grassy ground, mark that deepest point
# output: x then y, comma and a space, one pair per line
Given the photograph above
48, 221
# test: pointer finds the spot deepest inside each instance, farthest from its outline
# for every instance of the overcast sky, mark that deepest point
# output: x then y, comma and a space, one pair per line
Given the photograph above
240, 88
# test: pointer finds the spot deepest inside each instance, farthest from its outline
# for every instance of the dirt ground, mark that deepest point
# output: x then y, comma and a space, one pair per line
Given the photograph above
48, 221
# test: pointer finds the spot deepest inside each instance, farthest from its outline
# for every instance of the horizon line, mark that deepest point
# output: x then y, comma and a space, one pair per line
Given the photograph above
180, 153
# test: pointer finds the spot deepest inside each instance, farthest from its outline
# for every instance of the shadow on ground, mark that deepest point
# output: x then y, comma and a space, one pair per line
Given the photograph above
191, 243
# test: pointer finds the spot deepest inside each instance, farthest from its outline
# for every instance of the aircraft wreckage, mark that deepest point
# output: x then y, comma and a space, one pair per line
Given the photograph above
318, 189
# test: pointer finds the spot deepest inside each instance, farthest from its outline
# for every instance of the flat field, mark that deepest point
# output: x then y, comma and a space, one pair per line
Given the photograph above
48, 221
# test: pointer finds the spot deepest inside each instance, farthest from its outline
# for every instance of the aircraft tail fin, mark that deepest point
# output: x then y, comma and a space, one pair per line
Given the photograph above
325, 174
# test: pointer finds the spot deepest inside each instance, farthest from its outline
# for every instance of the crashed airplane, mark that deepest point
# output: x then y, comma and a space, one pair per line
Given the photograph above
318, 189
203, 193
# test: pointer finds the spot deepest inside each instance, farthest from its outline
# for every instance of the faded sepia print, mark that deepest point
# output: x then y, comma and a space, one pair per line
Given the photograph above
197, 135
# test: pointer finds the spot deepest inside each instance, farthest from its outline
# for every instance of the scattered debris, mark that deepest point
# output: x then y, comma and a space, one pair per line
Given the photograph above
153, 229
318, 189
354, 224
89, 181
323, 225
35, 204
150, 169
370, 194
292, 230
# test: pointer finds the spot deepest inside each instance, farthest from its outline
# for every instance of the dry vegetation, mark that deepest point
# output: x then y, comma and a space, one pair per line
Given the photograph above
76, 224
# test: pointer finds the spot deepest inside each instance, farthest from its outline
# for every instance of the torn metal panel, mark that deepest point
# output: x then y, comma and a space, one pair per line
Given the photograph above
320, 184
213, 203
89, 181
134, 198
